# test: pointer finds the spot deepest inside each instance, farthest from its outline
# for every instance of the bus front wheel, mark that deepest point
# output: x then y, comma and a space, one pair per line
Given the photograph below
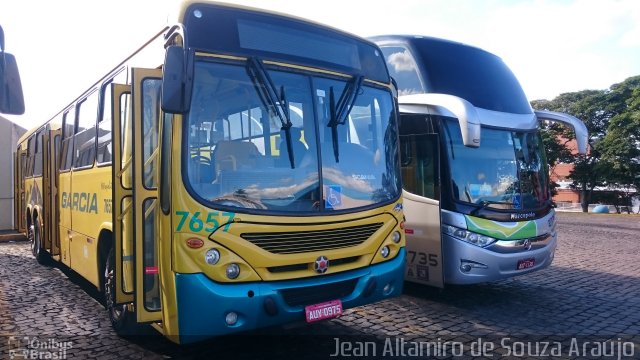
122, 320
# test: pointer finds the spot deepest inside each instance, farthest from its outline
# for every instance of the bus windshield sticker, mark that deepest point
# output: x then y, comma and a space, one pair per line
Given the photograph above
333, 196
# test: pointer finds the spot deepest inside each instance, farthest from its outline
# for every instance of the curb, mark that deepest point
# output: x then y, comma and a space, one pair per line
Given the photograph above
12, 237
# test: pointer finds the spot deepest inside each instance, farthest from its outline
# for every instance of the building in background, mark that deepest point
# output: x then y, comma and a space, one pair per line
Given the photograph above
10, 133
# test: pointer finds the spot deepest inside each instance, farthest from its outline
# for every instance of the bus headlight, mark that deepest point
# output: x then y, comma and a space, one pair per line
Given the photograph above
212, 256
233, 270
385, 251
396, 237
468, 236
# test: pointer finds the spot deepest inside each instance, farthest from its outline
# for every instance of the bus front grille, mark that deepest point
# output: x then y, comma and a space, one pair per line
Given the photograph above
308, 241
317, 294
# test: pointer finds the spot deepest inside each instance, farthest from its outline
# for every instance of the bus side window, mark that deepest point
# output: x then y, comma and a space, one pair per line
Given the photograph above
403, 68
419, 156
104, 152
85, 135
66, 155
28, 171
37, 158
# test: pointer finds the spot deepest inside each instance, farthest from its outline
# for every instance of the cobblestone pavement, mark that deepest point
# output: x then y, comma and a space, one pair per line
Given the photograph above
589, 294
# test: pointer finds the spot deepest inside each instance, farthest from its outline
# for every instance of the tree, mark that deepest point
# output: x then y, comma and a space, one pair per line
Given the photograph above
621, 144
591, 107
612, 117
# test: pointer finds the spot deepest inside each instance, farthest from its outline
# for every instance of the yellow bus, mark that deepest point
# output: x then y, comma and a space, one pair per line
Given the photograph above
240, 170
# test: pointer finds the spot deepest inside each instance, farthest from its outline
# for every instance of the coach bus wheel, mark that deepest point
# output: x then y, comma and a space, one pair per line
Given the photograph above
122, 320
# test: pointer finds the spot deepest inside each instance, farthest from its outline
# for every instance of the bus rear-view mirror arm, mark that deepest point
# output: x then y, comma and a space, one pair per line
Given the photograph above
177, 80
11, 97
460, 108
582, 134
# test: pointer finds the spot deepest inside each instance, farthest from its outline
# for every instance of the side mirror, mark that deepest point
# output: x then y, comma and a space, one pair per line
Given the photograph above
582, 134
177, 80
11, 97
459, 107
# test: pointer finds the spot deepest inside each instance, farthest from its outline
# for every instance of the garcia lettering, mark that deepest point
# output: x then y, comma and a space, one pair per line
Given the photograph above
83, 202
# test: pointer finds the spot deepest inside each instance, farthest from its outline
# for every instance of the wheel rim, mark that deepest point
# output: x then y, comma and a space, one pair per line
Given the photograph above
32, 239
115, 311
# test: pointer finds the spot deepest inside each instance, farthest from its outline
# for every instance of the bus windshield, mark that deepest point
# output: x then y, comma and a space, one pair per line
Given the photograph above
507, 172
237, 150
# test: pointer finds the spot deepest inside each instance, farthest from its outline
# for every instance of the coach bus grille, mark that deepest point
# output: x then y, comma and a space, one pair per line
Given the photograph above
307, 241
317, 294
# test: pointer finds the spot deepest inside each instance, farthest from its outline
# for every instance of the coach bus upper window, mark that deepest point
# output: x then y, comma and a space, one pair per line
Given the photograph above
85, 138
237, 153
473, 74
403, 68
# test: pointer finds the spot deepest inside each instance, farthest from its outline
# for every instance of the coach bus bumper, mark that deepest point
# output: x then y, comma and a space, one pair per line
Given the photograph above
470, 264
204, 306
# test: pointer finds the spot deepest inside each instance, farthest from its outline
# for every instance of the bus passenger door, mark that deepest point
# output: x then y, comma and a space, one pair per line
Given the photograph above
20, 206
51, 145
122, 201
146, 204
421, 192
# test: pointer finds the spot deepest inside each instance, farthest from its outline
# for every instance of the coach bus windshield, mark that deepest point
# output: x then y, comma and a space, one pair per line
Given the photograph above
508, 171
246, 149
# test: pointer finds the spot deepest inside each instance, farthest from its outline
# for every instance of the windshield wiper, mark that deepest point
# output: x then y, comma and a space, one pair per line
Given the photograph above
270, 98
340, 111
482, 204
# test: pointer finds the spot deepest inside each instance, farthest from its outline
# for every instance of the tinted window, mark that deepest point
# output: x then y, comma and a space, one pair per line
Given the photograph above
403, 68
473, 74
236, 31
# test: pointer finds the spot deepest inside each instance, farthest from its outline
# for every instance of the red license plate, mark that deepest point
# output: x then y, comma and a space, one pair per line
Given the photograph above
525, 264
325, 310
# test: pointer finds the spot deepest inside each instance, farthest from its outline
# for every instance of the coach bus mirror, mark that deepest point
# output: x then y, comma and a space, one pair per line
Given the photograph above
11, 97
448, 105
580, 129
177, 79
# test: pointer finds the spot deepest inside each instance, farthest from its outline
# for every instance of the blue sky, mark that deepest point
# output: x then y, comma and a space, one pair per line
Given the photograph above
552, 46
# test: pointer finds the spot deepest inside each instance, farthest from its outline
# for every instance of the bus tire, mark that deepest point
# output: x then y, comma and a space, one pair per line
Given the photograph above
122, 320
36, 245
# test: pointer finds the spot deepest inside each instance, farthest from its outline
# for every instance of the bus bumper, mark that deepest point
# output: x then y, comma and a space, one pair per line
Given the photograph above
203, 305
486, 265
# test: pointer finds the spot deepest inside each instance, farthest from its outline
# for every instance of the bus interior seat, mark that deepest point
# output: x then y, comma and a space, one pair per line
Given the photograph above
232, 155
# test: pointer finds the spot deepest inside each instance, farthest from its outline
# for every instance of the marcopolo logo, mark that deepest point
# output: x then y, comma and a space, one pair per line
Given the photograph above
523, 216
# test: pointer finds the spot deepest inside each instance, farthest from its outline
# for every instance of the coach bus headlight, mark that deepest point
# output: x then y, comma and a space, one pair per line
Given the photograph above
468, 236
396, 237
212, 256
233, 270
